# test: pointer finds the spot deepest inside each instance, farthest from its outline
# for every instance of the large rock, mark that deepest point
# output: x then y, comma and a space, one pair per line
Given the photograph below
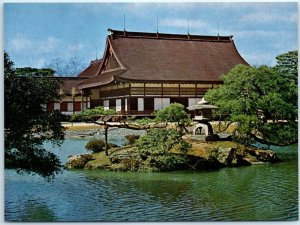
263, 155
228, 157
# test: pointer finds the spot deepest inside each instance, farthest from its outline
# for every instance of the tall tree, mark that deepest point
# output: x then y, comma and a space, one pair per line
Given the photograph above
258, 101
27, 122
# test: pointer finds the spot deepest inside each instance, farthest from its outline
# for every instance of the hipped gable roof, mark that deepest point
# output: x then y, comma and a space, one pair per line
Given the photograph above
156, 57
92, 70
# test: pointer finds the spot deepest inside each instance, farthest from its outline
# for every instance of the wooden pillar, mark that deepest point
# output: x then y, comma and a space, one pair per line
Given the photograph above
73, 99
81, 103
129, 100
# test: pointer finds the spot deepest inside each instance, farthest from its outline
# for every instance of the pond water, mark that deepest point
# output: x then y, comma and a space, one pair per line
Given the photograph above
254, 193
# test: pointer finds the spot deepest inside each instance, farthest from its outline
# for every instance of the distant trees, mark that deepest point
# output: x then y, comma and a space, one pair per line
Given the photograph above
70, 67
28, 71
26, 121
262, 101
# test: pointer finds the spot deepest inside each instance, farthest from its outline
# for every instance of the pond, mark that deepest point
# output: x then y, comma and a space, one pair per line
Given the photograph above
254, 193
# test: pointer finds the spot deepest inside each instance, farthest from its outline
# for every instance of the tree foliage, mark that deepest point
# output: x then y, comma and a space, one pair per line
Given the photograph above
92, 114
261, 101
96, 145
27, 124
28, 71
175, 112
287, 65
162, 149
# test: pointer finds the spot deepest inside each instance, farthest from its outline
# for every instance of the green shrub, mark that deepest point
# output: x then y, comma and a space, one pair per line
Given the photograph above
162, 149
95, 145
131, 139
175, 112
98, 146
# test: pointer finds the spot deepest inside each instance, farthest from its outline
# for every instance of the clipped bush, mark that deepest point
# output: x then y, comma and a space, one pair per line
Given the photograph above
95, 145
98, 146
131, 139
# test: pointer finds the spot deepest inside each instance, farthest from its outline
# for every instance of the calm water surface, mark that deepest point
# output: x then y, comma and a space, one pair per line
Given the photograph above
262, 192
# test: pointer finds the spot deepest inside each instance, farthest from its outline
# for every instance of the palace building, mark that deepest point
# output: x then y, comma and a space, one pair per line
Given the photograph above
144, 72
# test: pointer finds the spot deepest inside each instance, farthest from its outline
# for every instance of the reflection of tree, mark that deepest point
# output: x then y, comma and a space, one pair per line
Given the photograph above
246, 193
160, 187
36, 211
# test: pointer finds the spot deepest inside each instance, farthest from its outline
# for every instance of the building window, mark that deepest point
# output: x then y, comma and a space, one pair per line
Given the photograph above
118, 105
160, 103
193, 101
140, 104
70, 106
56, 106
106, 104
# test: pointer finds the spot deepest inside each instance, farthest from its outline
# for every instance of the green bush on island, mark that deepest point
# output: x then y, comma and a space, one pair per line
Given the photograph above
95, 146
162, 149
131, 139
98, 145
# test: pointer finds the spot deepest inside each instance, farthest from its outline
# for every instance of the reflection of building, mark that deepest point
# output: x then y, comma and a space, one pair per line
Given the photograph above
144, 72
73, 100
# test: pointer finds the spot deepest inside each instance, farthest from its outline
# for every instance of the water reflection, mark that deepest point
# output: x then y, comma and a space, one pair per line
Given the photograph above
156, 185
36, 211
262, 192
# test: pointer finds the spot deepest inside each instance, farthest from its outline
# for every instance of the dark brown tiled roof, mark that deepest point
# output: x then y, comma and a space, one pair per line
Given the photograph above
104, 78
67, 83
92, 69
152, 57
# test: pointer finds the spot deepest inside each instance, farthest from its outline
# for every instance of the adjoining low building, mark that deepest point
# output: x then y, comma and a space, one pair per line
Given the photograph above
144, 72
74, 100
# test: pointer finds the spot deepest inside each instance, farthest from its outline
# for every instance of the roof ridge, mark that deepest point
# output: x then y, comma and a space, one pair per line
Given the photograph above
188, 37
